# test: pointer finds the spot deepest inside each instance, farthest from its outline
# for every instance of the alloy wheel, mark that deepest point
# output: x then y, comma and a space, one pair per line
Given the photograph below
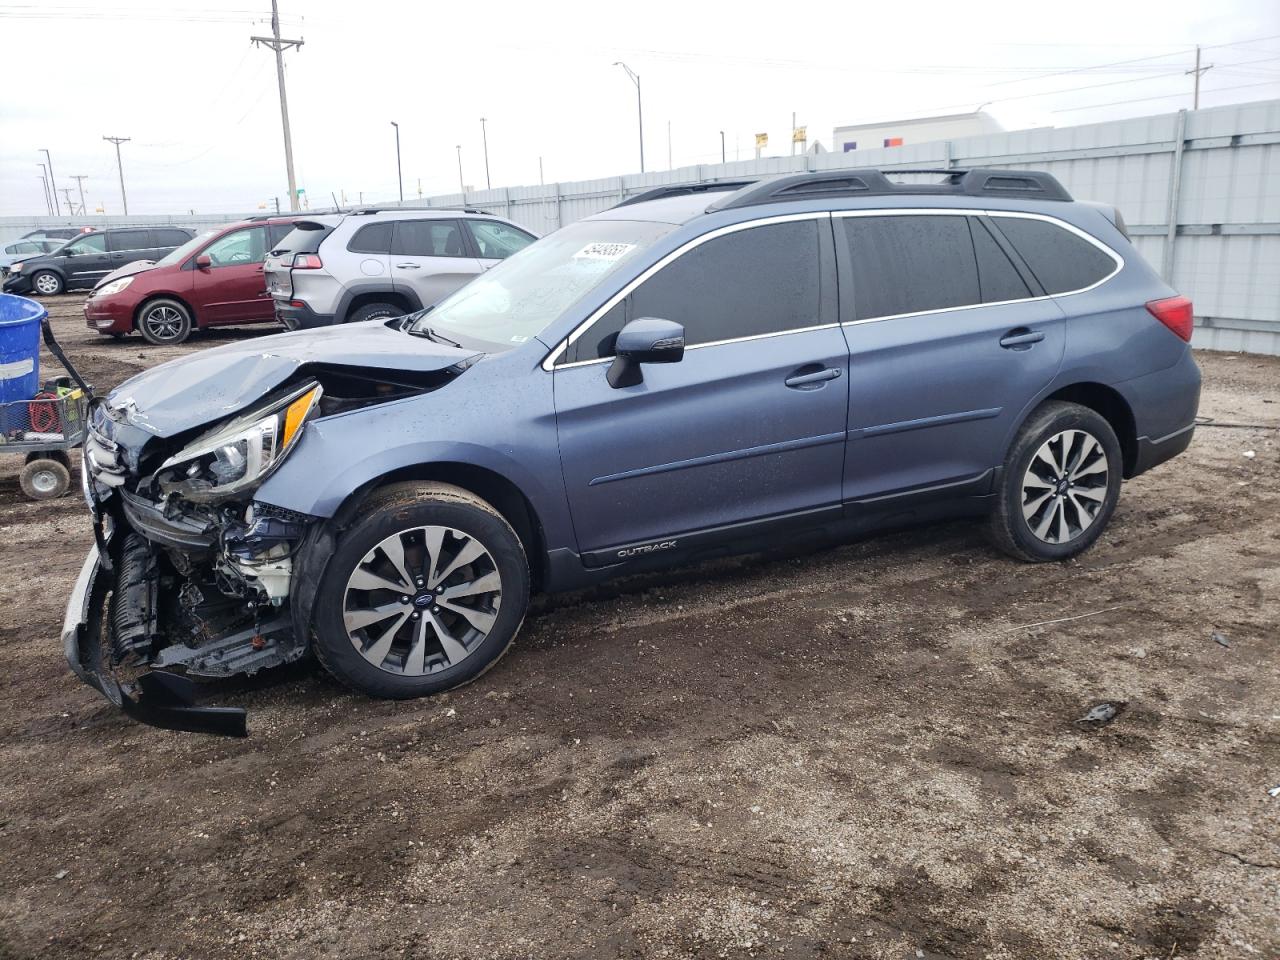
165, 323
1065, 486
47, 283
422, 600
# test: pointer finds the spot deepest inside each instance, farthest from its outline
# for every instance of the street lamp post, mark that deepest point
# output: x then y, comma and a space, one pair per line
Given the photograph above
461, 187
635, 78
722, 146
485, 135
399, 175
53, 184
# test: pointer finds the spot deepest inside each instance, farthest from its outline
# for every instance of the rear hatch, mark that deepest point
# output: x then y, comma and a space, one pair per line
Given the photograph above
303, 240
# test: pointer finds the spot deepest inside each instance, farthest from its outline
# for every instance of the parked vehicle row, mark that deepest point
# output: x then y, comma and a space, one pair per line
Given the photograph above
698, 371
81, 262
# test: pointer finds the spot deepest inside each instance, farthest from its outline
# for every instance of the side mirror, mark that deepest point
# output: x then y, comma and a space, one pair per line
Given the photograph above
645, 340
204, 261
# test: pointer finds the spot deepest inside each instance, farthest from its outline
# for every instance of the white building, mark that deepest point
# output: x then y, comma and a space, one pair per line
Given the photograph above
896, 133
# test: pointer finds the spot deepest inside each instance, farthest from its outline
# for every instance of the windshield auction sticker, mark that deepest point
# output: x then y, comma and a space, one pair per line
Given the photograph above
604, 251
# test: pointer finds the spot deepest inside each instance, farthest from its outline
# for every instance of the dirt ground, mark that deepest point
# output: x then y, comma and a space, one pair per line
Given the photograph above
868, 752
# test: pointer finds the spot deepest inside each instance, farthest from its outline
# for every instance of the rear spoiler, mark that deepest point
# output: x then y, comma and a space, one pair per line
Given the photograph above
1113, 216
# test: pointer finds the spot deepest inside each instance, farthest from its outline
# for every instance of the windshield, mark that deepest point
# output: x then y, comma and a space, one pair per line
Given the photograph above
518, 298
186, 250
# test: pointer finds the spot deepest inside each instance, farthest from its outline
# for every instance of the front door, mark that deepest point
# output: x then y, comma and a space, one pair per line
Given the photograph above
948, 342
430, 259
130, 245
86, 260
232, 289
749, 425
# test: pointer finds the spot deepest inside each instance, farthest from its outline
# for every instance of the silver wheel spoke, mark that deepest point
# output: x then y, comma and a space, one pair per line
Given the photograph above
1083, 514
477, 618
471, 550
1055, 508
393, 548
1097, 494
1042, 530
363, 579
357, 619
486, 584
454, 651
415, 664
1029, 509
382, 646
1091, 470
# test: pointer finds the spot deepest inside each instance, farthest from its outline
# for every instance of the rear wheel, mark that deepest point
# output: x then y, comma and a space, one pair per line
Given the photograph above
44, 479
375, 311
1060, 485
425, 591
47, 283
164, 322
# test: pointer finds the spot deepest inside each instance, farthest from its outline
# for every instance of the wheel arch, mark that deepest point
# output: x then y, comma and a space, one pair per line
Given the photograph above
355, 297
165, 295
48, 268
1109, 404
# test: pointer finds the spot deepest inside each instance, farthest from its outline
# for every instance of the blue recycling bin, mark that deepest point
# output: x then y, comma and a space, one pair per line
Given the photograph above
19, 347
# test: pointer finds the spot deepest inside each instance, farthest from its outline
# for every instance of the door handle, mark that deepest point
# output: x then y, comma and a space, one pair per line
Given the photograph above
407, 266
1021, 337
801, 380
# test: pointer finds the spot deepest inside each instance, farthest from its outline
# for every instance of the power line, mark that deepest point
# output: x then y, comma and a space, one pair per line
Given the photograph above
1168, 96
274, 42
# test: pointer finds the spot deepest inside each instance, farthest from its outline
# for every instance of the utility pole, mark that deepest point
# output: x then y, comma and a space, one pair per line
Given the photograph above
635, 78
399, 175
1195, 102
48, 207
53, 184
488, 184
80, 178
461, 189
541, 182
722, 160
274, 42
669, 165
793, 133
124, 199
66, 192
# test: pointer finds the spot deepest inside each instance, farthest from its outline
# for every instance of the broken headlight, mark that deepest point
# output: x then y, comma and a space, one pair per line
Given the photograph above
239, 455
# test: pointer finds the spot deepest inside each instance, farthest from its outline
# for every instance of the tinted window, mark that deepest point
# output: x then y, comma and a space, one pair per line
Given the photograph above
907, 264
277, 232
1060, 260
372, 238
495, 240
305, 237
130, 239
93, 243
428, 238
170, 238
600, 337
753, 281
998, 279
242, 246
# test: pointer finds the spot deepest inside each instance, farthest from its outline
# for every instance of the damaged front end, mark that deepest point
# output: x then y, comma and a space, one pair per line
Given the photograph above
190, 576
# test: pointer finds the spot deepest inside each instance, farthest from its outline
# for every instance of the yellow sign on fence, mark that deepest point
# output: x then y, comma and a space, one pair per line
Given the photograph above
762, 140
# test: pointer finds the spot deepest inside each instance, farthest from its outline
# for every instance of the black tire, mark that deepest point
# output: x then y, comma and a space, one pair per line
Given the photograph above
403, 507
164, 322
375, 311
1057, 498
44, 479
46, 283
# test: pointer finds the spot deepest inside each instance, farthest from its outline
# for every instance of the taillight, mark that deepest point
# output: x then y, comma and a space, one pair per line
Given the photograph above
1175, 313
307, 261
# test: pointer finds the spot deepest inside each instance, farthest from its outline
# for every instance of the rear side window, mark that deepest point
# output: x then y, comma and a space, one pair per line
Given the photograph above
755, 281
428, 238
277, 232
372, 238
909, 264
130, 239
998, 279
169, 238
1061, 260
306, 237
497, 241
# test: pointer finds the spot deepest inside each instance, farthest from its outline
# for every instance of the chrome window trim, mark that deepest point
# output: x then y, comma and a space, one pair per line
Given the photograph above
962, 212
549, 361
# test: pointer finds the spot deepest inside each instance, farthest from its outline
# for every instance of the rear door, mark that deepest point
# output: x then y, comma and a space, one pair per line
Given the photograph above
126, 246
86, 260
430, 259
232, 288
494, 240
949, 340
748, 426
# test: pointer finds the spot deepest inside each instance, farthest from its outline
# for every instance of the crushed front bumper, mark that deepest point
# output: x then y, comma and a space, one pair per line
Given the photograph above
158, 698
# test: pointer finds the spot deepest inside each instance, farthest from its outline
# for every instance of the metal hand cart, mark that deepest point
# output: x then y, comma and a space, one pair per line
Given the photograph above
44, 430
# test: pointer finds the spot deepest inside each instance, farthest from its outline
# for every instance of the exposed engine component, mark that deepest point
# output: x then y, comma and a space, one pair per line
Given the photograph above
134, 613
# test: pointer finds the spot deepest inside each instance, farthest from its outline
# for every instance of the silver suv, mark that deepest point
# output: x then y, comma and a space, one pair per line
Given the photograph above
343, 268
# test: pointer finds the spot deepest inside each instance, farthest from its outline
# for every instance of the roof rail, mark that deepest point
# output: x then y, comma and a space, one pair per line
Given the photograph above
1032, 184
367, 210
683, 190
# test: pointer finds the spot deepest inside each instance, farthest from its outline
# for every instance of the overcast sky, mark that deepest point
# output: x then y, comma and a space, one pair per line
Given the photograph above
201, 105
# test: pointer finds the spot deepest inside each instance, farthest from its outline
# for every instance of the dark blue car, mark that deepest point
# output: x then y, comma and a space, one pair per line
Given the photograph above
697, 371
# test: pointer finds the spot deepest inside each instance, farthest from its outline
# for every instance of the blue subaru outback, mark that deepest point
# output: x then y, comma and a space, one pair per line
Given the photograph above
700, 370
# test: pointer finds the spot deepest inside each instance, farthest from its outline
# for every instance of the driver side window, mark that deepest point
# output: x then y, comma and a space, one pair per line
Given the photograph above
94, 243
243, 246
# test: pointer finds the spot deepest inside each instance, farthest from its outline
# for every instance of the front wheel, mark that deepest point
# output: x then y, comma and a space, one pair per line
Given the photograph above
47, 283
426, 590
164, 322
1060, 485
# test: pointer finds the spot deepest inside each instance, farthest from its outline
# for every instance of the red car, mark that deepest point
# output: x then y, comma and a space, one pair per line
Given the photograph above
215, 279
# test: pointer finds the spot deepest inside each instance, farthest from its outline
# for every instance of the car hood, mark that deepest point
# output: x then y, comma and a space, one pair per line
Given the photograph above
214, 384
128, 270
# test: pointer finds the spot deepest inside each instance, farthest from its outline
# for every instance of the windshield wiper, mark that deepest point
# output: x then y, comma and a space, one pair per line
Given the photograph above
419, 330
